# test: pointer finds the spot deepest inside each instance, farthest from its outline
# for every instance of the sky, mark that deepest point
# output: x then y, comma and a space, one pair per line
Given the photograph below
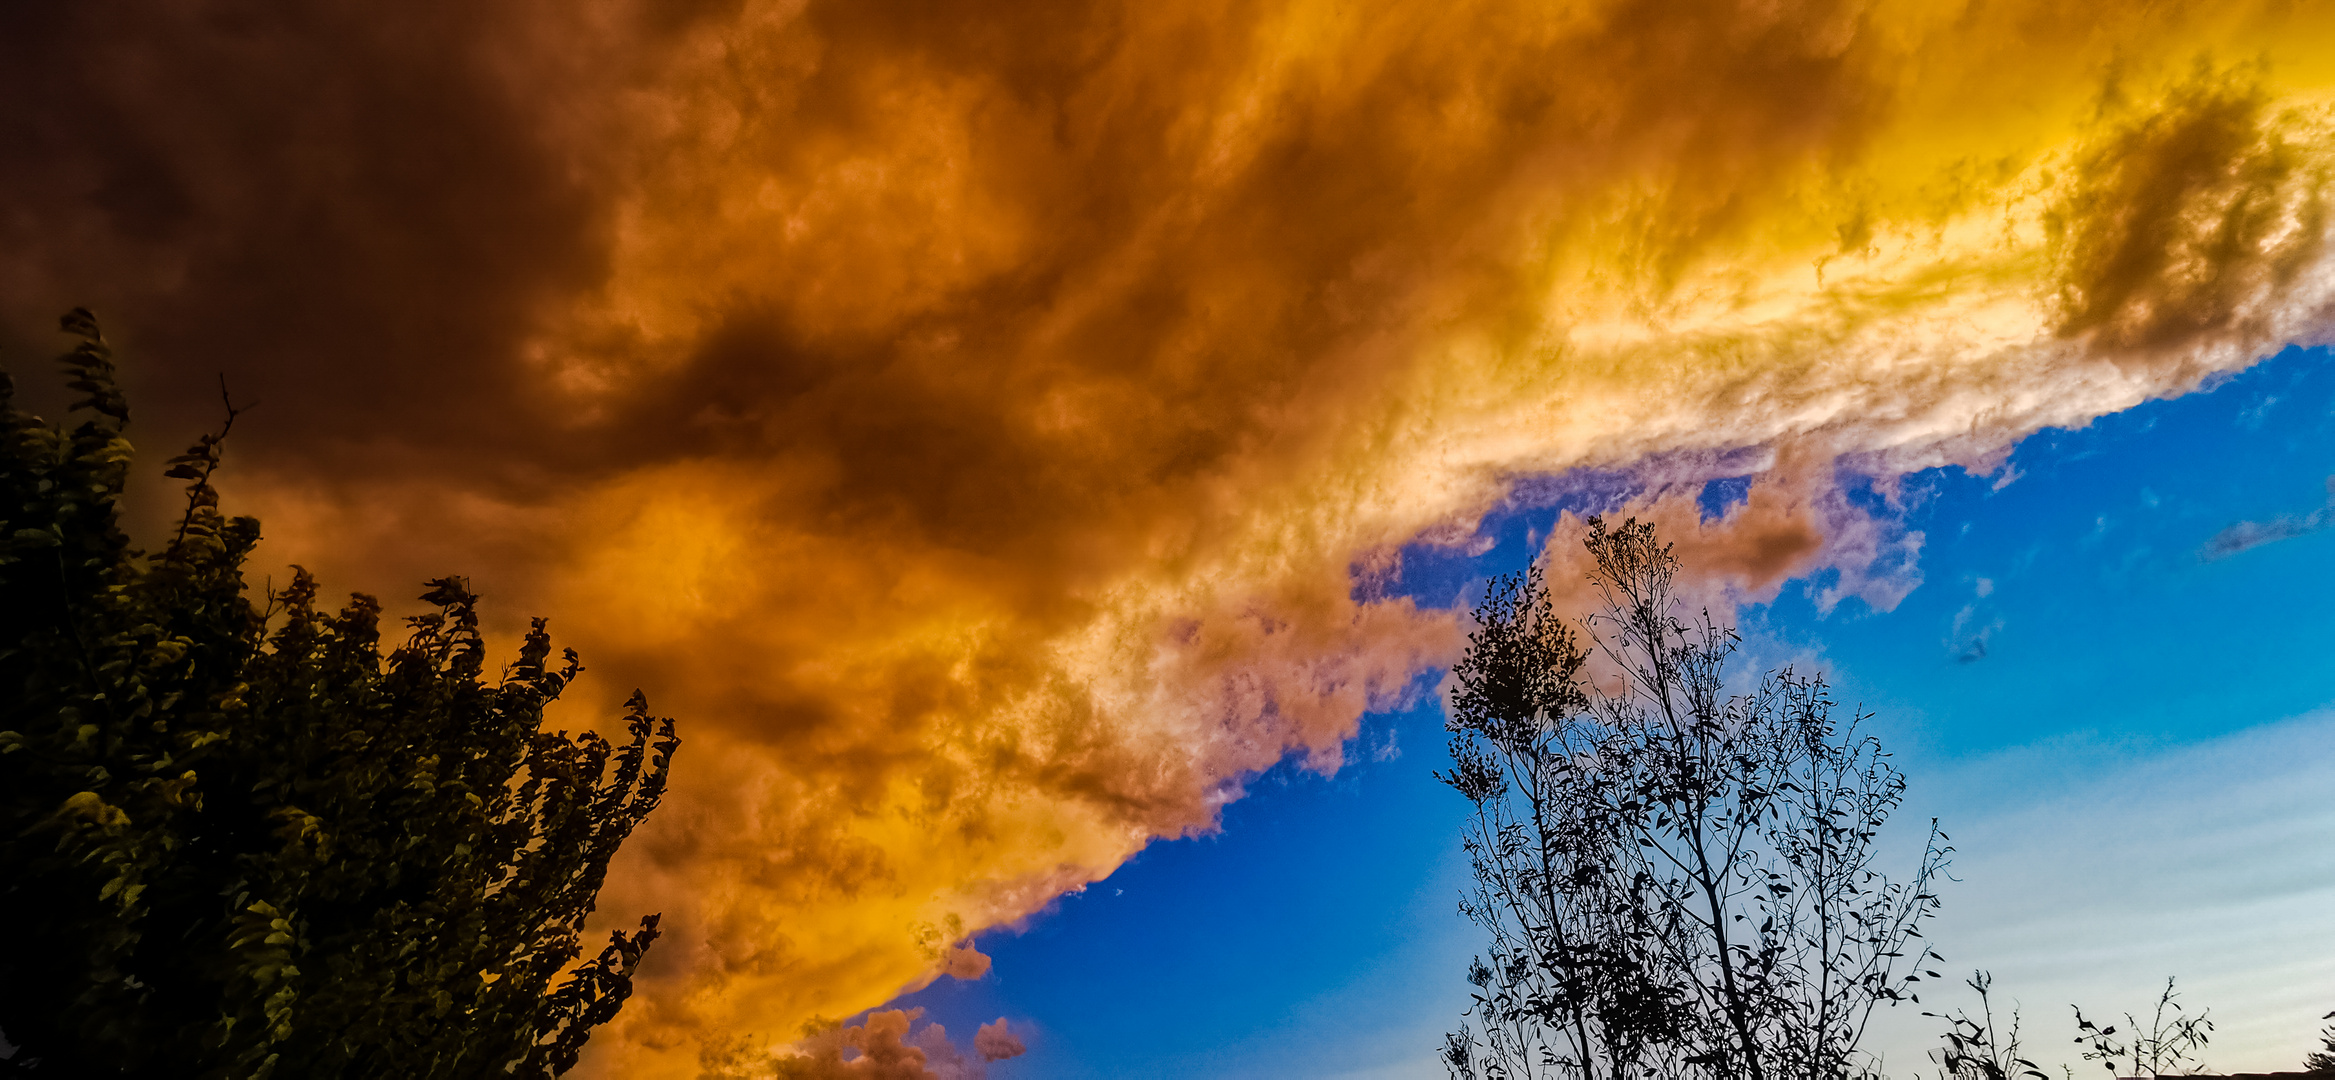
2132, 770
1038, 450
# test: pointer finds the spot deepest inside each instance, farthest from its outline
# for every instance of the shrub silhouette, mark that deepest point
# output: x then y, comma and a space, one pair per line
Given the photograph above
239, 840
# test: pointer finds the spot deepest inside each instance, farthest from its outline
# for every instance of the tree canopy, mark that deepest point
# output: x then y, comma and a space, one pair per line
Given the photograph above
1678, 879
238, 838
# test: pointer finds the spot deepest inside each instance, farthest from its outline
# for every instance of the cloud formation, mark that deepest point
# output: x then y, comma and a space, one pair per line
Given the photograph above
2247, 535
887, 1045
995, 1041
968, 418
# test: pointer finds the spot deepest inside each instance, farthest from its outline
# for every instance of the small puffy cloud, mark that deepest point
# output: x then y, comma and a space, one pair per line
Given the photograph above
965, 962
994, 1042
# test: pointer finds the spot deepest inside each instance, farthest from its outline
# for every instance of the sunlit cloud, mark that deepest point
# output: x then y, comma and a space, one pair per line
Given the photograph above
970, 421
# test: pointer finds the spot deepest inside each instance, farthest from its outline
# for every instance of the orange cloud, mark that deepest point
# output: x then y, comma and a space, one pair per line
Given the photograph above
968, 418
995, 1041
879, 1048
1794, 521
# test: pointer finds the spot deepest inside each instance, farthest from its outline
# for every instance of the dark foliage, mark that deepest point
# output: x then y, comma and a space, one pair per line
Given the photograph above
240, 841
1677, 880
2168, 1046
2322, 1060
1977, 1048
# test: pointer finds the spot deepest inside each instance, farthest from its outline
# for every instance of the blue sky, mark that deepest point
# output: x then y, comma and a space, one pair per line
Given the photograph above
2115, 717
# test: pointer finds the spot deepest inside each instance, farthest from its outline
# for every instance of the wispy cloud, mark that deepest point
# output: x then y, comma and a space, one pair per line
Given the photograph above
2247, 535
1973, 626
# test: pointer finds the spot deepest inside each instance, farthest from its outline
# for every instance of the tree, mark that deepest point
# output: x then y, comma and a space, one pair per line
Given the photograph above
1676, 880
239, 841
2322, 1060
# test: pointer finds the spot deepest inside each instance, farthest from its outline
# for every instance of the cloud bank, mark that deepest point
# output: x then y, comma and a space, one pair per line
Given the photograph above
969, 419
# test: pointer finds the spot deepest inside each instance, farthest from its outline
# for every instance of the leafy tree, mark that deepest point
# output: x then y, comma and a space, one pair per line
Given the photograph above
239, 841
1676, 880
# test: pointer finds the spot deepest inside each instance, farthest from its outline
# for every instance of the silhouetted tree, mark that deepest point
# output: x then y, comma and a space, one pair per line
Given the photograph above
235, 851
1977, 1048
2323, 1059
1677, 880
2166, 1047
